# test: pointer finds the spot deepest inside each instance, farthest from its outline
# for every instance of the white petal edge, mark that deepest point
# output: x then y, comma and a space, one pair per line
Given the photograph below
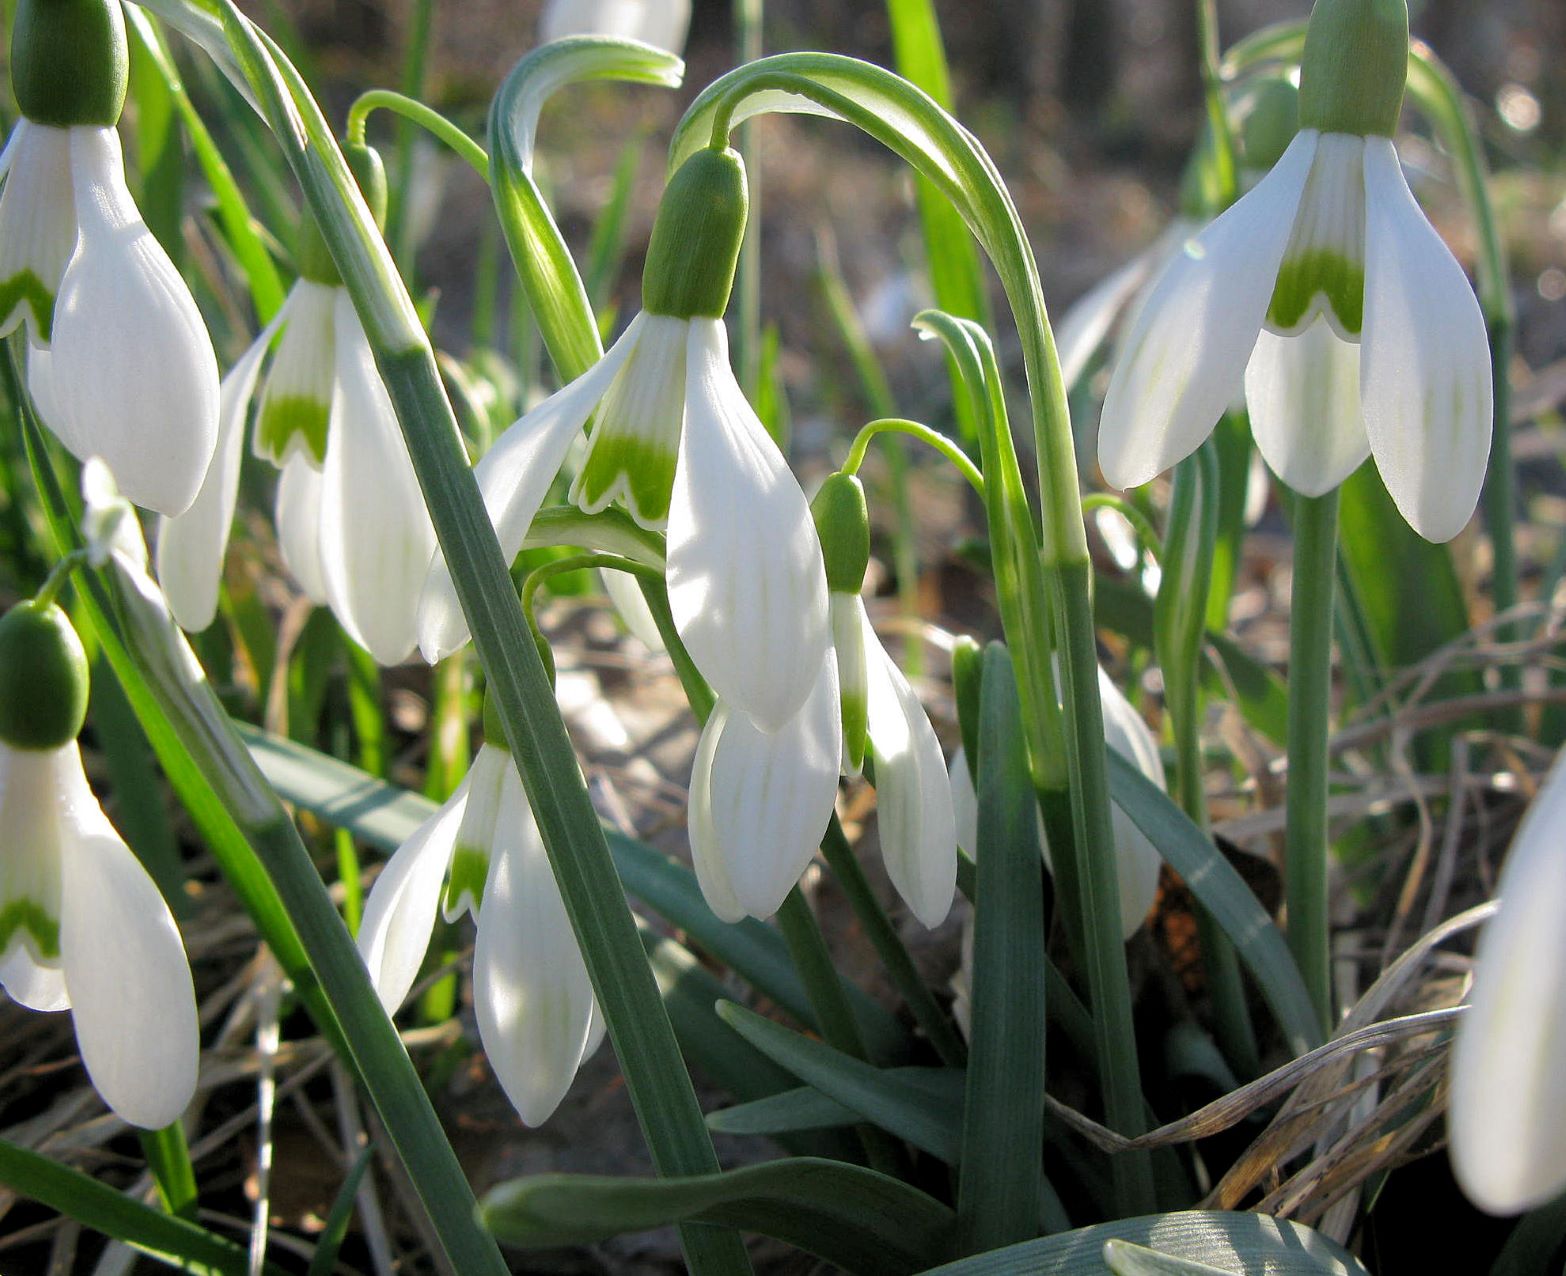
191, 547
126, 972
918, 828
399, 915
531, 993
1137, 862
760, 801
1425, 359
965, 800
134, 379
297, 518
1303, 396
746, 582
514, 477
1184, 359
625, 594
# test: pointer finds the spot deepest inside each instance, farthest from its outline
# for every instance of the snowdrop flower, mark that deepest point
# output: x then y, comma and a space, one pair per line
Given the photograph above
119, 363
661, 23
1328, 292
675, 442
82, 926
1137, 863
537, 1017
350, 517
1509, 1058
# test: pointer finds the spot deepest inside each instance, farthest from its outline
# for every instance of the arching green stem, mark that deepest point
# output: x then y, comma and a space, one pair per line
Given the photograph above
937, 440
427, 118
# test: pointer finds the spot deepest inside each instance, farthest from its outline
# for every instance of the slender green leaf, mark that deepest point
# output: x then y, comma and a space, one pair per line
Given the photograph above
936, 1092
168, 1157
160, 159
331, 1239
1126, 1259
861, 1221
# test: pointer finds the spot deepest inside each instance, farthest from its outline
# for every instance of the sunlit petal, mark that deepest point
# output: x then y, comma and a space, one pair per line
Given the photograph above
661, 23
1303, 395
32, 834
1137, 863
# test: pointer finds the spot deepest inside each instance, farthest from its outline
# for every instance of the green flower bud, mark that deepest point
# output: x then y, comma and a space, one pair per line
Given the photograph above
696, 238
967, 680
843, 524
1354, 67
1271, 123
312, 257
368, 170
43, 678
69, 61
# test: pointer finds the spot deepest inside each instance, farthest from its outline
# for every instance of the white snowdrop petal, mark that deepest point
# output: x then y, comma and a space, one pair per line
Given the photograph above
30, 983
626, 594
914, 807
514, 477
531, 992
1508, 1065
134, 379
32, 836
1303, 395
1425, 370
746, 583
965, 801
191, 546
661, 23
37, 226
376, 535
1137, 862
399, 915
760, 801
297, 517
1184, 358
132, 999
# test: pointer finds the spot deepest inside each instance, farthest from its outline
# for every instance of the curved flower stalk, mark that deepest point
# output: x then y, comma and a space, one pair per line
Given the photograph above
1509, 1057
1137, 862
119, 362
1330, 296
82, 926
663, 24
674, 440
350, 520
536, 1015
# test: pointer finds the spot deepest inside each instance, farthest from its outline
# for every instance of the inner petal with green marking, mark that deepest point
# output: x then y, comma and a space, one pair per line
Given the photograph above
296, 400
30, 850
635, 439
28, 922
1323, 270
465, 885
37, 228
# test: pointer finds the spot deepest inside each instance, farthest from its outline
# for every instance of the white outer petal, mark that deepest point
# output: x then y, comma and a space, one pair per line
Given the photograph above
760, 801
514, 477
399, 915
376, 535
1508, 1065
626, 595
37, 217
1137, 862
191, 546
1425, 369
965, 801
531, 993
1185, 357
746, 581
1303, 396
917, 823
134, 377
125, 968
661, 23
297, 517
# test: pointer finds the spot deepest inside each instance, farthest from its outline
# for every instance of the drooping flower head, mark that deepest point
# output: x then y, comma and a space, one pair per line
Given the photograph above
82, 926
351, 520
1327, 292
482, 854
119, 363
674, 440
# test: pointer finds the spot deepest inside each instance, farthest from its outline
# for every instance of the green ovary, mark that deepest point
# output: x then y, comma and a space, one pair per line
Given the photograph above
25, 288
287, 416
30, 917
639, 472
856, 720
1329, 275
469, 872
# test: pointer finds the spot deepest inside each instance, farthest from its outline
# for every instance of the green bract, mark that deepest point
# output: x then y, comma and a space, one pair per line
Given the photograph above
69, 63
696, 239
843, 524
1354, 67
43, 678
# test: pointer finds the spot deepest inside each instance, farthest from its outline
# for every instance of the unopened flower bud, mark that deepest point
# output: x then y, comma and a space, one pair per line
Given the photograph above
43, 678
696, 238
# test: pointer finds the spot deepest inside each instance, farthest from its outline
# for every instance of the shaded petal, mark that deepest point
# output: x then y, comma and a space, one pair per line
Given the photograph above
917, 821
531, 992
37, 227
376, 536
1508, 1065
626, 594
1137, 862
760, 801
746, 582
125, 969
295, 411
1425, 370
514, 477
32, 834
965, 801
191, 547
32, 984
1185, 357
1303, 396
134, 379
399, 915
297, 517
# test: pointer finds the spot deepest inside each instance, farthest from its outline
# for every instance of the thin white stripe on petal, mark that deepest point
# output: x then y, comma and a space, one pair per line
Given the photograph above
1303, 395
746, 582
1425, 359
1185, 358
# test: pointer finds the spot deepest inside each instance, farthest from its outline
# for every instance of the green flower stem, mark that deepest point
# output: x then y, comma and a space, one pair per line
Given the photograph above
1226, 184
748, 28
898, 425
168, 1157
415, 69
1150, 540
54, 582
627, 993
1310, 699
427, 118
